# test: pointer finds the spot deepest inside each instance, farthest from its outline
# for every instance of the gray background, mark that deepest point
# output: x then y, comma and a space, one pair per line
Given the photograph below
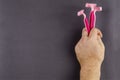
37, 39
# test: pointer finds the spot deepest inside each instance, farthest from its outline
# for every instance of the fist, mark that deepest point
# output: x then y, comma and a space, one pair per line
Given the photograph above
90, 48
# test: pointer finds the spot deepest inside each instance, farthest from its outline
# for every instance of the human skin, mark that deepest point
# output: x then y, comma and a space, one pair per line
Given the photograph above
90, 54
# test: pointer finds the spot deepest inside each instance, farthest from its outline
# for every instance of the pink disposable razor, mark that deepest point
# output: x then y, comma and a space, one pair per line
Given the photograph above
81, 12
92, 17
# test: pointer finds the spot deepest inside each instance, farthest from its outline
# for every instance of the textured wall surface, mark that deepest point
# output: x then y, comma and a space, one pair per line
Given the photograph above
37, 39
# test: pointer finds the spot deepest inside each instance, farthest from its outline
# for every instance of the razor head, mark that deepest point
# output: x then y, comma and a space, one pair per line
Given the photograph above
90, 5
98, 8
81, 12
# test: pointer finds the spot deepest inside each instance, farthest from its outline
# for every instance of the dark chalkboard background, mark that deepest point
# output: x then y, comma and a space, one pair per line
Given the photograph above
37, 39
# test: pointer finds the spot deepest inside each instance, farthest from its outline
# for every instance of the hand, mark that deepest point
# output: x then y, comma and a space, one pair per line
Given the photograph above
90, 49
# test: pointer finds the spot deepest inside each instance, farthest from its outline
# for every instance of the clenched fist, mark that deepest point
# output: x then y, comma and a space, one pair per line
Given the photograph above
90, 49
90, 54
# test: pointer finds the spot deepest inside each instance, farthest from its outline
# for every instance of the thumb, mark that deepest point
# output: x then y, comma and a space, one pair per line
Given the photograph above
95, 33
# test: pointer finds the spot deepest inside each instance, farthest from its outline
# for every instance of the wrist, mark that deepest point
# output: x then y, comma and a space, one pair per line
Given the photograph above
91, 66
96, 68
90, 72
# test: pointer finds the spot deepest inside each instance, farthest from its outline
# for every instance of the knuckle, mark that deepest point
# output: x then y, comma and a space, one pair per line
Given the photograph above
76, 48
